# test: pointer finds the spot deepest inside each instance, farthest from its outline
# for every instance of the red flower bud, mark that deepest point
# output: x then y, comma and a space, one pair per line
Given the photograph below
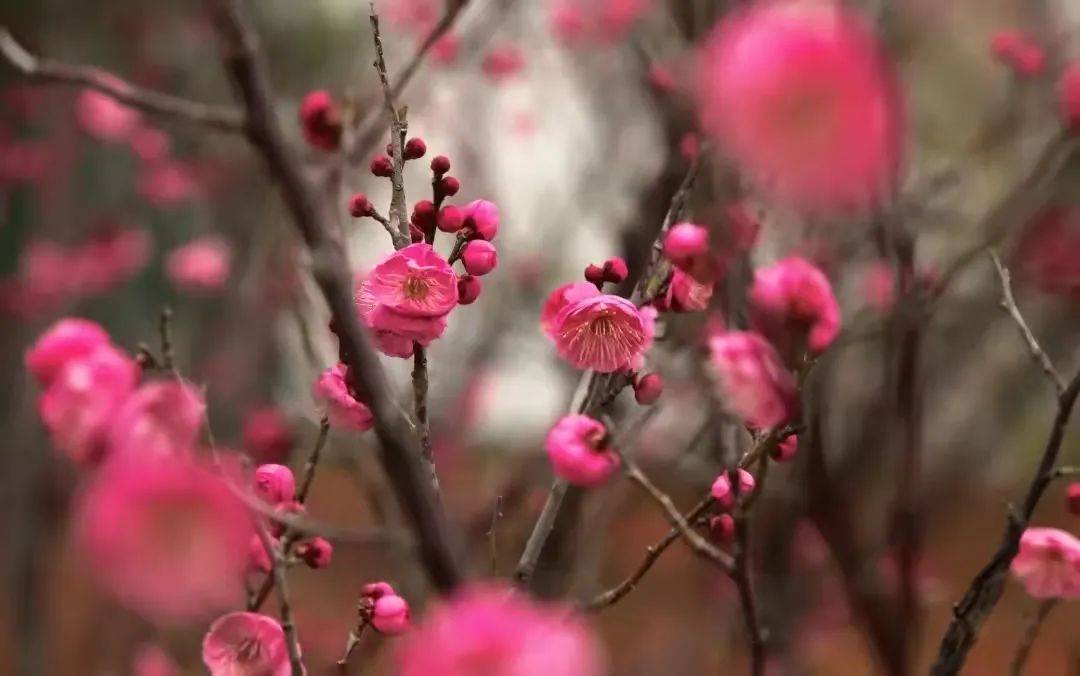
382, 166
440, 164
469, 288
415, 148
1072, 500
449, 186
451, 219
648, 388
479, 257
316, 552
615, 270
320, 120
360, 205
722, 528
423, 215
594, 274
416, 235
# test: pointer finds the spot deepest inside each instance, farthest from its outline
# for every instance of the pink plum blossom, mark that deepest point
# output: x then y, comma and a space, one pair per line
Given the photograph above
82, 400
578, 451
390, 613
799, 95
481, 218
332, 393
1048, 563
559, 299
103, 117
168, 540
786, 449
685, 242
493, 630
603, 333
161, 420
685, 293
149, 144
320, 120
415, 282
68, 339
395, 334
792, 304
201, 265
722, 488
274, 483
502, 62
246, 644
166, 183
752, 379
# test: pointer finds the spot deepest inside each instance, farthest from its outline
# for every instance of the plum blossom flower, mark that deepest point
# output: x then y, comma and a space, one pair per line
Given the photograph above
201, 265
415, 282
559, 299
791, 302
342, 408
752, 379
800, 96
389, 612
492, 630
1048, 254
82, 400
168, 540
68, 339
604, 333
395, 334
274, 483
722, 489
684, 243
685, 293
578, 451
1048, 563
595, 21
161, 420
481, 218
246, 644
103, 117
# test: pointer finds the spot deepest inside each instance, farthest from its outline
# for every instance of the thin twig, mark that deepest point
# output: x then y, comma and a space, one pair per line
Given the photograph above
220, 118
612, 596
493, 537
367, 135
244, 64
292, 640
740, 575
1008, 303
986, 588
420, 408
350, 646
399, 221
1016, 667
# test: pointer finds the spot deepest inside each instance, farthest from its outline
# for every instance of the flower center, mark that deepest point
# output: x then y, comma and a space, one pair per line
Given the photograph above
415, 288
248, 650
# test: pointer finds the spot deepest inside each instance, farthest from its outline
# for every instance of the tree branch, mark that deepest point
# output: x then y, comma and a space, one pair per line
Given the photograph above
1008, 303
244, 65
1016, 667
987, 586
219, 118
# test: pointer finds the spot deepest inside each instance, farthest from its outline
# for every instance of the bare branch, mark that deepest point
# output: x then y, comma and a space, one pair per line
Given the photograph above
1016, 667
1008, 303
220, 118
987, 586
245, 67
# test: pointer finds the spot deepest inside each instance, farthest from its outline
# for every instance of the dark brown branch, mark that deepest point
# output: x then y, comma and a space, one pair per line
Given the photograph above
244, 65
652, 555
220, 118
1016, 667
367, 136
740, 575
420, 408
987, 586
1008, 303
277, 562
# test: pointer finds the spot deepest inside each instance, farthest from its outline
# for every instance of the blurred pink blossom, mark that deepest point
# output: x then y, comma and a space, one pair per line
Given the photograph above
66, 340
332, 393
166, 183
495, 630
102, 117
800, 97
1048, 563
160, 421
752, 380
268, 436
502, 62
201, 266
168, 540
577, 449
792, 304
151, 660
